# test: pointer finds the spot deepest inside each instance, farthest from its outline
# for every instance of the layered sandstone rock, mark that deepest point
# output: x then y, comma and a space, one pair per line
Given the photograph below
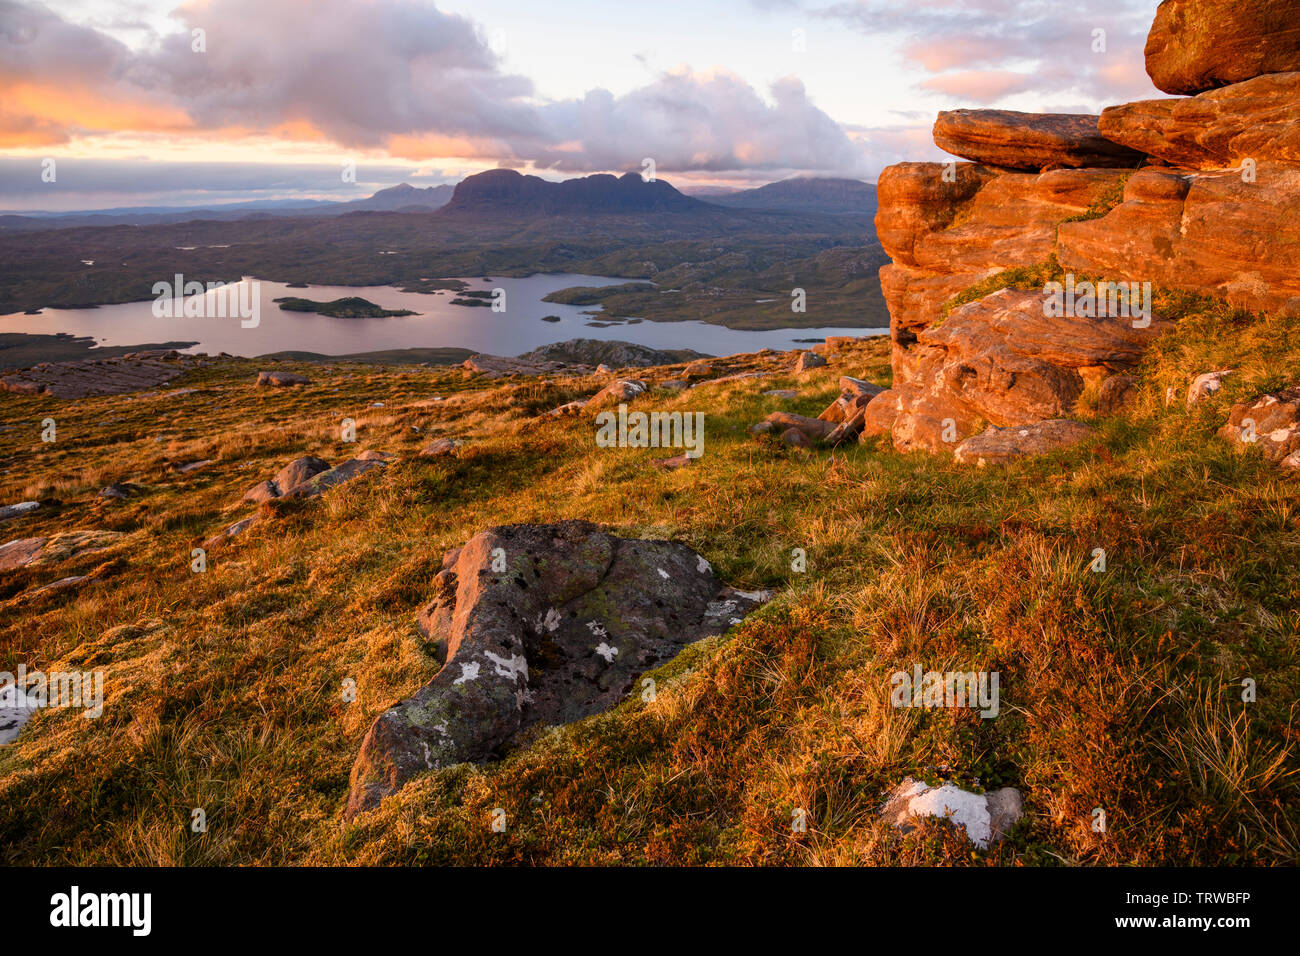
1255, 120
1213, 233
1009, 358
1034, 141
1197, 45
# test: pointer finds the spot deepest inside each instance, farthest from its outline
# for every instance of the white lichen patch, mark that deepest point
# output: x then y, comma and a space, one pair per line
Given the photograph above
607, 652
468, 672
702, 566
513, 667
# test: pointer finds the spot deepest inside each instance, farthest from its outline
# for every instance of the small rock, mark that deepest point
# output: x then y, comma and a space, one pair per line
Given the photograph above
808, 361
674, 385
1205, 385
1115, 394
281, 379
781, 393
441, 448
671, 464
698, 369
984, 817
228, 532
119, 490
21, 508
1270, 423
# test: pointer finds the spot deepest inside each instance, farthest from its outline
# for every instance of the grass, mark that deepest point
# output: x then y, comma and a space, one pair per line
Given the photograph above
1119, 690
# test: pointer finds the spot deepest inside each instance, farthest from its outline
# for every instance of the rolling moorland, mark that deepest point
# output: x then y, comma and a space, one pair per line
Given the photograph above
1099, 507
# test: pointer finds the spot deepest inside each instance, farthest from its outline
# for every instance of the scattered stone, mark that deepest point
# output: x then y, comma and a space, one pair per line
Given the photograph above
192, 466
674, 385
1206, 384
228, 532
341, 474
999, 445
441, 448
813, 428
761, 428
672, 464
564, 632
615, 393
984, 817
16, 708
370, 455
698, 369
781, 393
1029, 140
21, 508
281, 379
119, 491
35, 552
1270, 423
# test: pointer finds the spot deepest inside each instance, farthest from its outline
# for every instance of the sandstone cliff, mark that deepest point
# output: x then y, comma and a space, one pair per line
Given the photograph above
1197, 193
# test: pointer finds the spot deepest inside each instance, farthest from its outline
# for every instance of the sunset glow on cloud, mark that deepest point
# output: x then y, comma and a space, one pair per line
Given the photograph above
262, 81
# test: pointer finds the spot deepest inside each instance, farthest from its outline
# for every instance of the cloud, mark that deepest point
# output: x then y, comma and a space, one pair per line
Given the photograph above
984, 53
389, 75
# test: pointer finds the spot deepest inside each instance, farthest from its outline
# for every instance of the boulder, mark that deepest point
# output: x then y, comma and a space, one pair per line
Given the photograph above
298, 471
1029, 140
615, 393
698, 369
999, 445
1116, 393
279, 379
814, 428
808, 361
19, 509
262, 491
1258, 120
1270, 423
563, 632
1197, 45
984, 818
119, 491
338, 475
795, 438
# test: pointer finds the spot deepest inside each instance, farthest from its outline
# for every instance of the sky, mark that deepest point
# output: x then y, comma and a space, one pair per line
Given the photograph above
151, 102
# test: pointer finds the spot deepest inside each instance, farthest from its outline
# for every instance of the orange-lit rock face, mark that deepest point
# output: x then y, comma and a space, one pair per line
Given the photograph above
1198, 45
1258, 120
1212, 233
1030, 141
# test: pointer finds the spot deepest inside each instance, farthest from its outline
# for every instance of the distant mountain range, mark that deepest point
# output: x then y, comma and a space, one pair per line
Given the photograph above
400, 198
803, 194
502, 192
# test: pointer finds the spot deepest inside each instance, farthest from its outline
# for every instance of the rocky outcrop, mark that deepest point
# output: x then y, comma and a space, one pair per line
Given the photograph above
1257, 120
539, 625
18, 510
616, 354
1034, 141
1197, 45
1270, 423
286, 479
109, 376
1213, 233
1220, 217
1006, 359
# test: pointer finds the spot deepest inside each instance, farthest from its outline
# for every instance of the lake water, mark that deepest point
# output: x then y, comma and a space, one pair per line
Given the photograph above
438, 324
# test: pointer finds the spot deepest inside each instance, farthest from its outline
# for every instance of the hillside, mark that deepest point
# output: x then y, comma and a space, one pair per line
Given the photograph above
805, 194
225, 685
